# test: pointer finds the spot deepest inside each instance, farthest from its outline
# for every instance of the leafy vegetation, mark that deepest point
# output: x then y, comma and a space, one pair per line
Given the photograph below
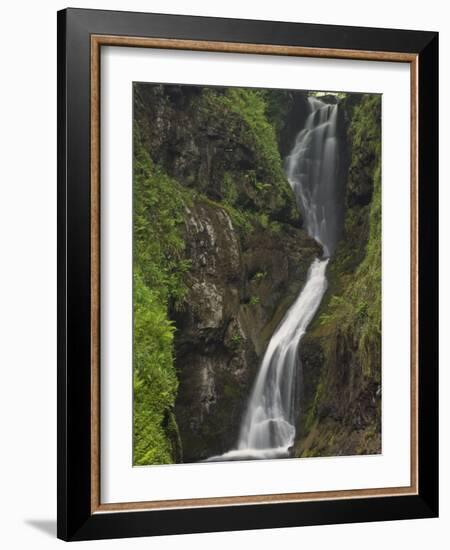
250, 106
236, 339
345, 338
220, 146
357, 311
259, 275
247, 114
158, 270
155, 382
279, 104
355, 306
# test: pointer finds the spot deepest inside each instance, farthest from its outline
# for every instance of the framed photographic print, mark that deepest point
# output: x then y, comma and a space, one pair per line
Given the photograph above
247, 274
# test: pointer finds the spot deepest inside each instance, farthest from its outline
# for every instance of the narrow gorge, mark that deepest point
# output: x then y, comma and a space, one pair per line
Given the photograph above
256, 291
268, 427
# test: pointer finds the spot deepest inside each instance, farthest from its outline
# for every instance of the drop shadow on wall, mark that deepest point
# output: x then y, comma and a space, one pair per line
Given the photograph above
46, 526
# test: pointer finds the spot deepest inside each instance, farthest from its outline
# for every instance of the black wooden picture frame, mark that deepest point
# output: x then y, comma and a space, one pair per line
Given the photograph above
79, 517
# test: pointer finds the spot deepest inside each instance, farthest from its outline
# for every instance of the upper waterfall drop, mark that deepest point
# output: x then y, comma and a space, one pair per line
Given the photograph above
311, 169
268, 426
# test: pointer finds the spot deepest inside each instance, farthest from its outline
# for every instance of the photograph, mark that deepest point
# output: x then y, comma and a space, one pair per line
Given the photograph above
256, 273
224, 275
247, 261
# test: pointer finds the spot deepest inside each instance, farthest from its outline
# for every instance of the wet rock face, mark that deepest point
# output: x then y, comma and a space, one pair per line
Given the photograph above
341, 401
211, 151
222, 330
345, 410
212, 352
215, 256
189, 146
297, 110
243, 274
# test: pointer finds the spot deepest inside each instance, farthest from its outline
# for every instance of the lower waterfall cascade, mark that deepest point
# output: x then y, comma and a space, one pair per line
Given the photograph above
268, 425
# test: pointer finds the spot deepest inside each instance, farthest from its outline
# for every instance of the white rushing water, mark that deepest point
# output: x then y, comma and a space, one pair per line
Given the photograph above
311, 169
268, 426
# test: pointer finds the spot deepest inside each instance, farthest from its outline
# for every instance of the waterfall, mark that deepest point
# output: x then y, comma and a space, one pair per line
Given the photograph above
268, 425
311, 169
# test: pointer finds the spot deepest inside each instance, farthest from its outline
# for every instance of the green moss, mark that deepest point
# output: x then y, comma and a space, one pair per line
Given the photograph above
155, 381
279, 104
158, 271
259, 276
264, 188
354, 308
242, 219
230, 192
231, 392
212, 145
348, 326
250, 105
236, 339
311, 415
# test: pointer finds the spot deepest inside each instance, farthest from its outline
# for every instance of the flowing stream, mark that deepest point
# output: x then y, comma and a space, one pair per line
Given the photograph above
268, 425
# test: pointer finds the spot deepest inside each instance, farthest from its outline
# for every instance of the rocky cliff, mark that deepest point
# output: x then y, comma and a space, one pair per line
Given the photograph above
237, 241
219, 256
341, 352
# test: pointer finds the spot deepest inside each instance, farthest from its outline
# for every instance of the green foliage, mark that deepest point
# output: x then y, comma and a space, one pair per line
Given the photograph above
355, 306
236, 339
263, 219
234, 164
368, 288
154, 382
245, 111
311, 415
245, 220
230, 193
357, 312
242, 219
158, 203
279, 104
259, 275
262, 186
342, 348
275, 227
158, 271
365, 130
250, 105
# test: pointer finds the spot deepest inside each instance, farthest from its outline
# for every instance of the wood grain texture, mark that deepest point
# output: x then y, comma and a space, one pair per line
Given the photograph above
255, 499
262, 49
414, 67
124, 41
95, 276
